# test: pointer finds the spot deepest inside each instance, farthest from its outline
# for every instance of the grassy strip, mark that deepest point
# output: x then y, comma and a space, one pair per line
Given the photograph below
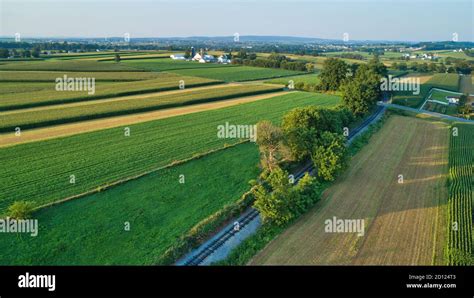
243, 253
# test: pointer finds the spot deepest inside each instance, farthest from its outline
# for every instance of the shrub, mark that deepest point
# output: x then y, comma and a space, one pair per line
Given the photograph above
20, 210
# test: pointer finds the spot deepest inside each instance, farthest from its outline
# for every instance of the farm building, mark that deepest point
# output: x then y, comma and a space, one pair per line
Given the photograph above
204, 58
224, 59
178, 57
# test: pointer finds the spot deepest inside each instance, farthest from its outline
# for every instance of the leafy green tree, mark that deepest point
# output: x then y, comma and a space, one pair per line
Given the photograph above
302, 128
330, 156
117, 57
273, 199
269, 141
187, 54
361, 93
20, 210
4, 53
36, 52
377, 67
334, 72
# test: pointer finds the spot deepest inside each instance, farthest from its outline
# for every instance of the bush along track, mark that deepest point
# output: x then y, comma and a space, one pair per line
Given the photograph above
242, 254
459, 249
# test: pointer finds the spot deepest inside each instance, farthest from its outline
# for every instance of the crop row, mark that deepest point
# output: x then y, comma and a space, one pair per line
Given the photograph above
51, 76
461, 195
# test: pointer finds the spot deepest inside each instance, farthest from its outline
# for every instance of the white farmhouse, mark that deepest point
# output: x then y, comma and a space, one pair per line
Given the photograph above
224, 59
453, 100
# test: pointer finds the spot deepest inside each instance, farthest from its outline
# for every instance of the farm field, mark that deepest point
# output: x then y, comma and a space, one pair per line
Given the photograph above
41, 170
237, 73
460, 250
307, 79
76, 65
68, 114
441, 95
99, 124
103, 90
405, 224
448, 81
162, 64
50, 76
159, 208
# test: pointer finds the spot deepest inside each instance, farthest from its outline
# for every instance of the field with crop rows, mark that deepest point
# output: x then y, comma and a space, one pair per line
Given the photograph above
69, 65
40, 171
460, 250
161, 64
163, 82
158, 208
51, 76
404, 223
67, 114
306, 78
237, 73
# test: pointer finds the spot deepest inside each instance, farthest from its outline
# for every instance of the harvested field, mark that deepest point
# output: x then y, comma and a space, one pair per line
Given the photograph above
404, 223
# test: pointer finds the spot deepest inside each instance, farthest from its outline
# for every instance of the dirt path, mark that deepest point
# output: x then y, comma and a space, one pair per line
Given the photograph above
403, 222
86, 126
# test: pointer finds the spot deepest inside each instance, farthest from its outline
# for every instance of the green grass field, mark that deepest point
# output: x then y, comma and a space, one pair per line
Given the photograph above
67, 114
90, 230
448, 81
237, 73
40, 171
440, 95
162, 82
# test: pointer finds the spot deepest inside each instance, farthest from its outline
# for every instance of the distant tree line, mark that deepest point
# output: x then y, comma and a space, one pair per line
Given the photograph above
273, 61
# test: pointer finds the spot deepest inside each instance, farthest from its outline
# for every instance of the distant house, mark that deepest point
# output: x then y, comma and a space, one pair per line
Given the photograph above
452, 99
224, 59
178, 57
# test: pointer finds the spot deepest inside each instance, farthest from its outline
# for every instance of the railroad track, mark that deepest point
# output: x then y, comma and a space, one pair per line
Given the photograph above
215, 244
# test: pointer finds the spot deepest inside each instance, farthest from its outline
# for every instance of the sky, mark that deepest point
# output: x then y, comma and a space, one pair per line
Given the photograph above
398, 20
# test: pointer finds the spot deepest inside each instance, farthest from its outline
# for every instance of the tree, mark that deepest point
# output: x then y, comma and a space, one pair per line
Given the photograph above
333, 74
187, 54
273, 198
309, 67
20, 210
117, 57
4, 53
269, 141
442, 68
330, 156
302, 127
377, 67
361, 93
36, 52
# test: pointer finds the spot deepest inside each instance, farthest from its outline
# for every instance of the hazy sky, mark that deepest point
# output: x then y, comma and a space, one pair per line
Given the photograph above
369, 19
